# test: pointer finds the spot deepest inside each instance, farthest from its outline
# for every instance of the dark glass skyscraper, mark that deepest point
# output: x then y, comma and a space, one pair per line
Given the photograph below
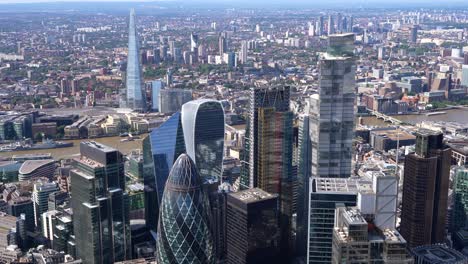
100, 205
425, 190
184, 234
303, 182
460, 199
135, 97
252, 227
160, 149
203, 124
267, 158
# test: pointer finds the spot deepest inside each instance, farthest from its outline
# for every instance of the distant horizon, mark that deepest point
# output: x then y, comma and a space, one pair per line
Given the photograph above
272, 3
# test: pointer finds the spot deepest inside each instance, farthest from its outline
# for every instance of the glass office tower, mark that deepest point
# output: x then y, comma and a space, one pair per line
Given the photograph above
156, 87
135, 95
203, 125
171, 100
160, 149
100, 205
325, 195
267, 158
252, 227
184, 234
460, 199
268, 140
331, 111
303, 181
425, 190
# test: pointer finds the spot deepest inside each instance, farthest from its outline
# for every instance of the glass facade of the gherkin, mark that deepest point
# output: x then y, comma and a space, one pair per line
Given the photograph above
184, 234
135, 97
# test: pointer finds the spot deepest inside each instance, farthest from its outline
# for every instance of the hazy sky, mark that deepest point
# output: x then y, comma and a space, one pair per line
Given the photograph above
422, 3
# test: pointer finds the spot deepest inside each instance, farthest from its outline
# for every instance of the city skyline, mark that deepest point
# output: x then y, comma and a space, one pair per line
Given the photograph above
251, 132
293, 3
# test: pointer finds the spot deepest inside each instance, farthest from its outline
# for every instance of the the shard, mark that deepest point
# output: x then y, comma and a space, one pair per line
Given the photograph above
134, 97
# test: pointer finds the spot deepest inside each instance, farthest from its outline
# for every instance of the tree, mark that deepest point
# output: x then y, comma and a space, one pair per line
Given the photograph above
38, 136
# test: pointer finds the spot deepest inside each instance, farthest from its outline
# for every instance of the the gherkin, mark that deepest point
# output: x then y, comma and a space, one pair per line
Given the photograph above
184, 234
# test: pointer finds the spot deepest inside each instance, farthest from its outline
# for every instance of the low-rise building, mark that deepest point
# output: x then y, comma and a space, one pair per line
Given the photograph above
438, 254
32, 169
356, 239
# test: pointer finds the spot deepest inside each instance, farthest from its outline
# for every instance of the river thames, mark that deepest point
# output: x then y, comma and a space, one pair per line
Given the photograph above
62, 153
457, 115
452, 115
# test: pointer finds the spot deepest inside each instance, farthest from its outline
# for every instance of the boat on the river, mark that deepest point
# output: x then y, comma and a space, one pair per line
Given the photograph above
46, 144
436, 113
50, 144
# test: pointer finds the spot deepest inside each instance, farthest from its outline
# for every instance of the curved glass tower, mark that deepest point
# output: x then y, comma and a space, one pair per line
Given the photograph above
135, 98
184, 234
160, 150
203, 125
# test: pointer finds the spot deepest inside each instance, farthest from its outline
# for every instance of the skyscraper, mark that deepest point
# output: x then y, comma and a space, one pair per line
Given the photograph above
269, 113
184, 234
350, 24
319, 26
193, 42
252, 227
425, 188
156, 87
460, 200
267, 161
331, 111
304, 154
325, 195
339, 23
100, 205
243, 52
222, 45
40, 198
160, 150
203, 125
331, 25
135, 97
464, 77
414, 34
171, 100
218, 204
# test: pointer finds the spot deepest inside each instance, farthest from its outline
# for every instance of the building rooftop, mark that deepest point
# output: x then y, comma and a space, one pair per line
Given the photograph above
135, 187
7, 163
99, 146
394, 134
427, 132
393, 236
438, 254
353, 216
32, 156
252, 195
461, 147
30, 166
341, 185
82, 174
42, 186
89, 162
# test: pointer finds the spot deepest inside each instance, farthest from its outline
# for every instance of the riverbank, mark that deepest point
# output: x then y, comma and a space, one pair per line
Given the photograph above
63, 153
457, 114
